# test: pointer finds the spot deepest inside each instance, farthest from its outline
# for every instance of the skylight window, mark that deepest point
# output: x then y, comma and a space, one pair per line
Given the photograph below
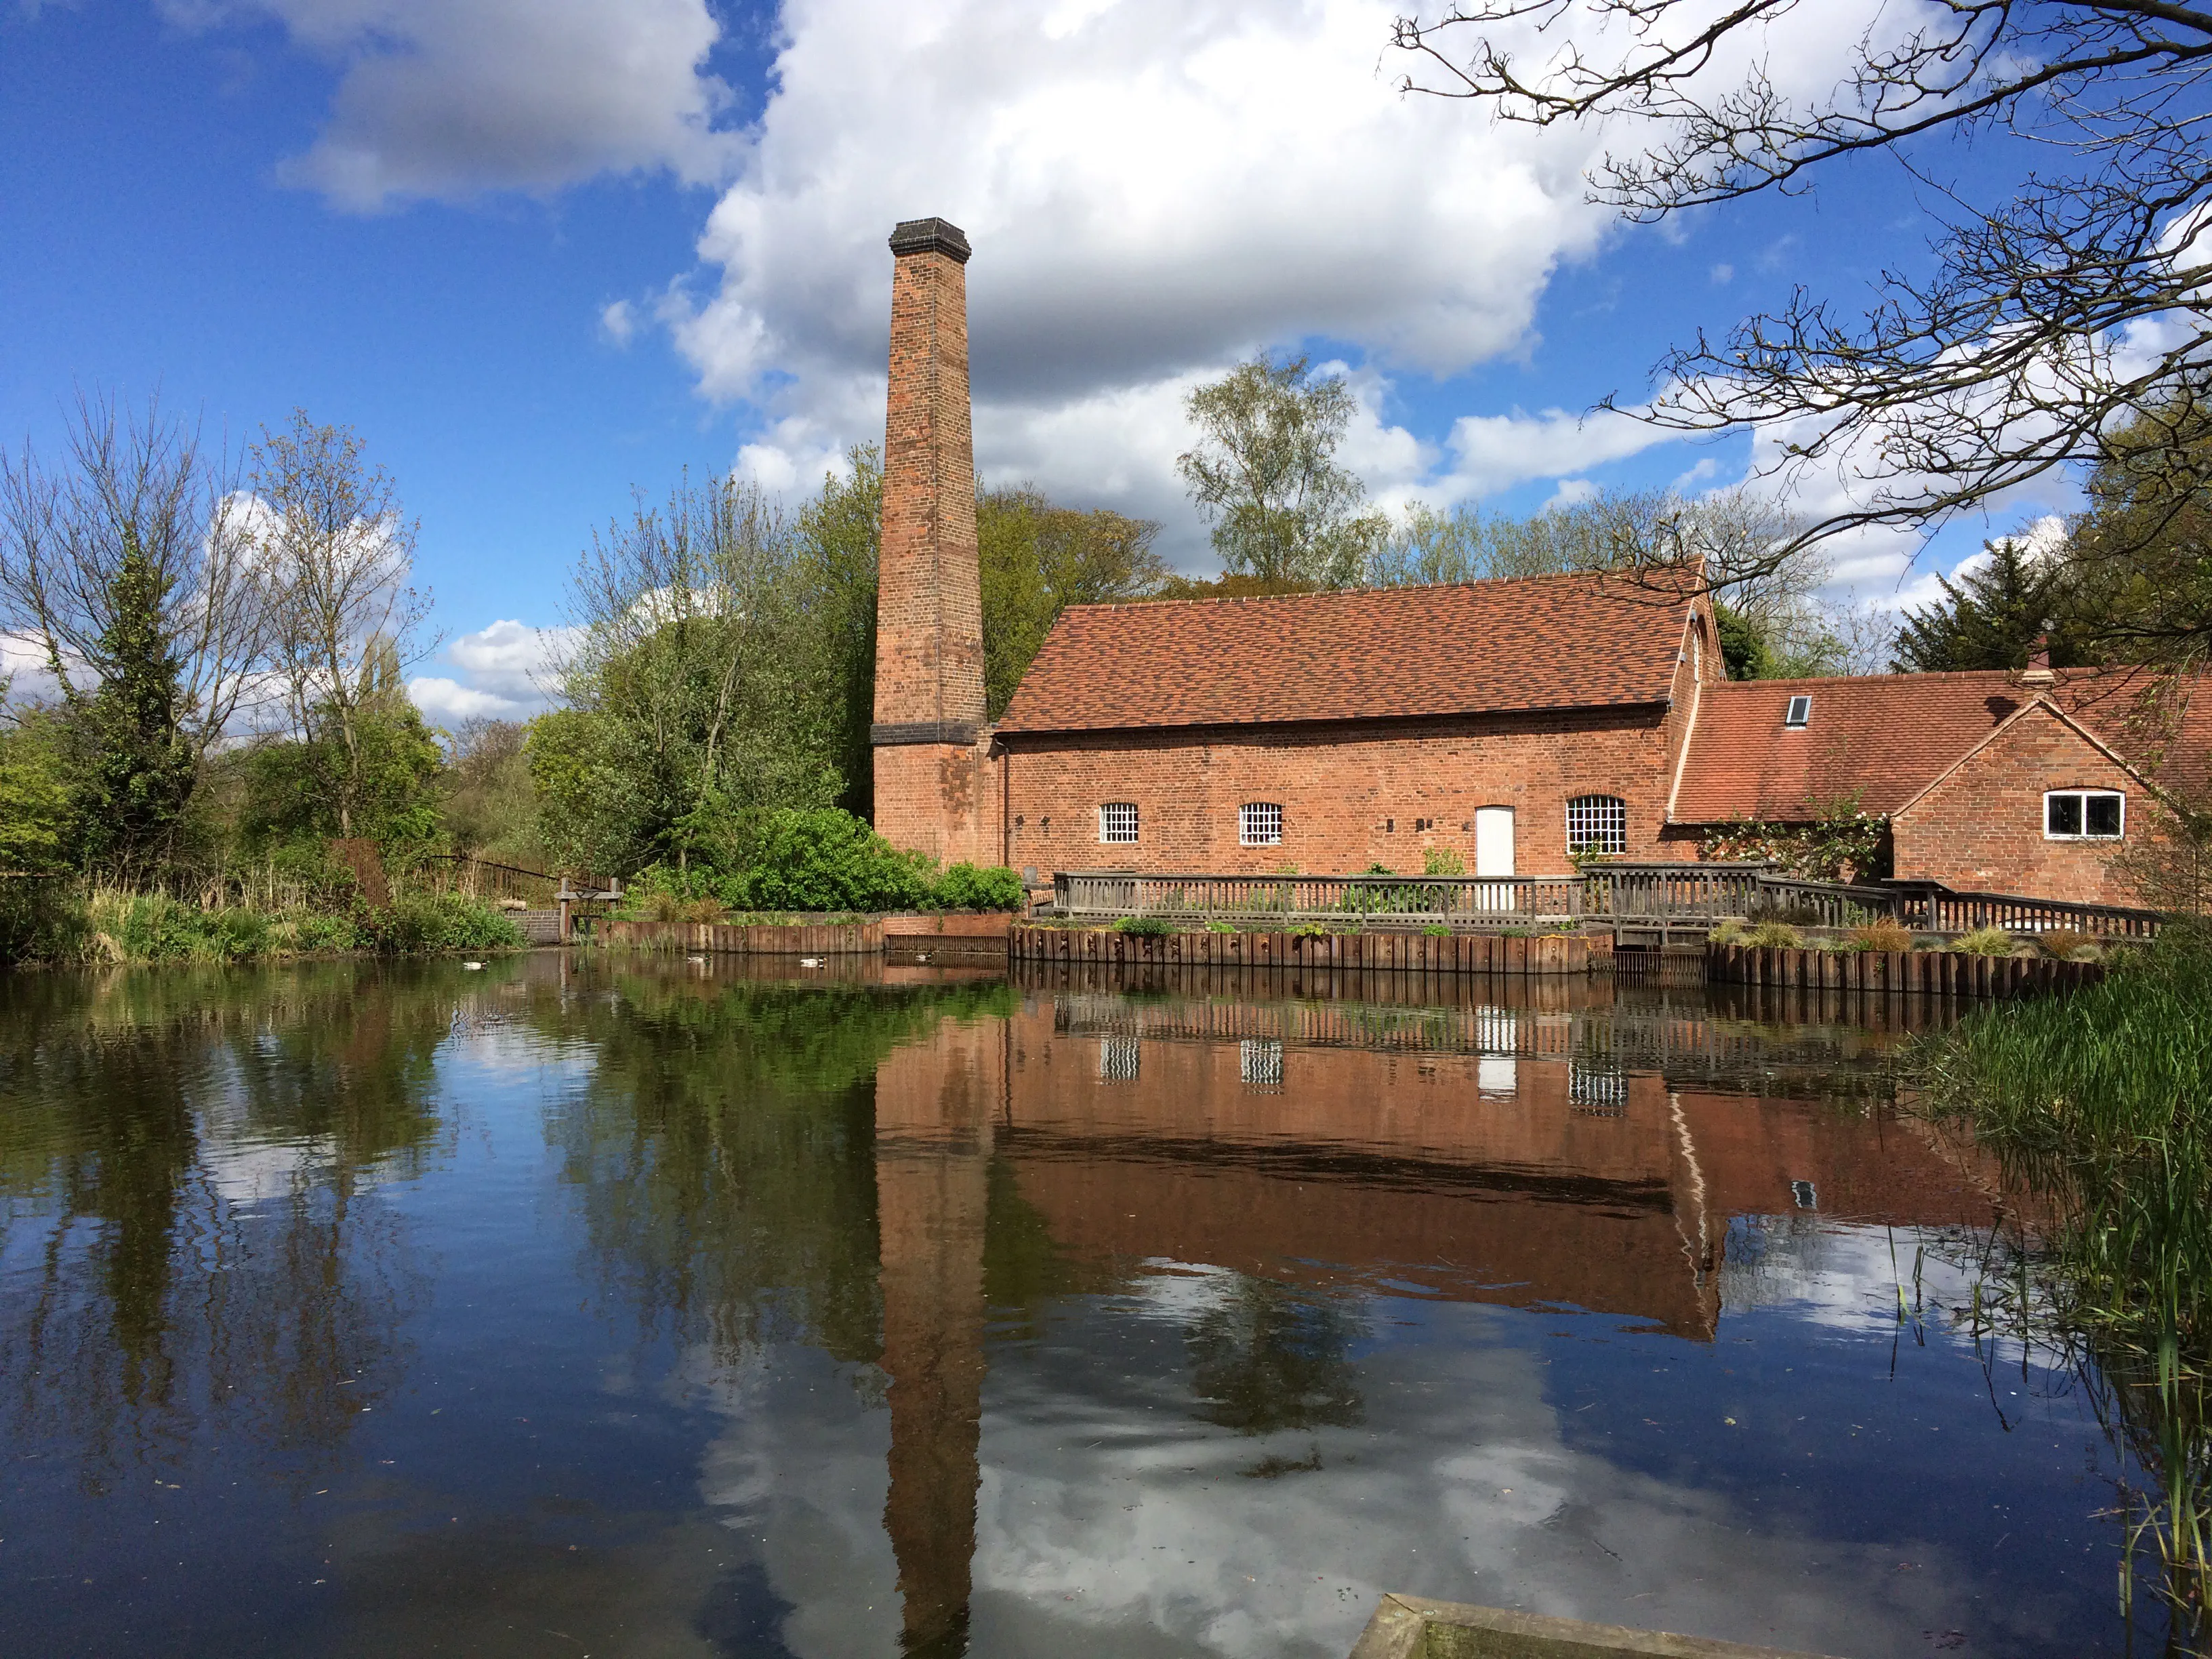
1799, 713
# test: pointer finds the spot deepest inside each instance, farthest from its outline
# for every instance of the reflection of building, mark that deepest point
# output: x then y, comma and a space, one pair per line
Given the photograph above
1518, 1157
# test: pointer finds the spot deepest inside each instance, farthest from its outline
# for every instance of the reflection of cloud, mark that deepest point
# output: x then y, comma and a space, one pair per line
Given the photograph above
1112, 1520
801, 1469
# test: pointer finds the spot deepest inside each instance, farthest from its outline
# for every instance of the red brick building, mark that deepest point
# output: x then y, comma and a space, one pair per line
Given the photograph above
1335, 731
1505, 723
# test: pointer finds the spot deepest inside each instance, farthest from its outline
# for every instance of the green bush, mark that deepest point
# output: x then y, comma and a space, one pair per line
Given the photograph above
828, 859
422, 923
1986, 942
1436, 930
974, 887
1147, 926
1775, 935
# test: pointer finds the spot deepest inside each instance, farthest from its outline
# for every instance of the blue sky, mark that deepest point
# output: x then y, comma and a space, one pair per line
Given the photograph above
539, 251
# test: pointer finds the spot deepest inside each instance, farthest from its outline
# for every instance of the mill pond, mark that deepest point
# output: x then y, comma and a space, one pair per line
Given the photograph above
639, 1306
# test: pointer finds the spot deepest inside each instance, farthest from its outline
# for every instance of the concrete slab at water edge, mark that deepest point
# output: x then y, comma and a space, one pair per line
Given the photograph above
1415, 1627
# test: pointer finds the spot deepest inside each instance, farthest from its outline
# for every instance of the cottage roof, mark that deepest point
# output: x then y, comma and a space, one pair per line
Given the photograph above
1539, 643
1884, 738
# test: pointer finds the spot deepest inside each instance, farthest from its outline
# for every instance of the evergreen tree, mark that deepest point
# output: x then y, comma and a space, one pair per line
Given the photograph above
1991, 618
139, 772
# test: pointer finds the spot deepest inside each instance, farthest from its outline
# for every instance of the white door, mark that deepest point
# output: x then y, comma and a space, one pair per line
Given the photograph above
1493, 841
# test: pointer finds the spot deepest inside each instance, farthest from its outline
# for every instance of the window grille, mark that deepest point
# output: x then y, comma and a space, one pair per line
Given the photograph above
1597, 823
1119, 1060
1117, 821
1259, 1063
1260, 823
1799, 712
2083, 815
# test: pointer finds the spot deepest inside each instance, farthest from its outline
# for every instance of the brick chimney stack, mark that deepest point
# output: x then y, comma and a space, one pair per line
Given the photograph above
930, 746
2039, 672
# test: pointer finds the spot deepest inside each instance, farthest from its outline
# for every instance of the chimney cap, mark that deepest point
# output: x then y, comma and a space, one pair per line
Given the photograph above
931, 236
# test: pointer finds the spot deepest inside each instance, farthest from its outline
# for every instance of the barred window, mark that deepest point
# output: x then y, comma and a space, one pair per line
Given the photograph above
1595, 1093
1120, 1060
1259, 1063
1260, 823
1117, 821
1597, 823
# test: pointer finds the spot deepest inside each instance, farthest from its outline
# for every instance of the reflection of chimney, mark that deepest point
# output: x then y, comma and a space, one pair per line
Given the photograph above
934, 1098
2039, 672
929, 610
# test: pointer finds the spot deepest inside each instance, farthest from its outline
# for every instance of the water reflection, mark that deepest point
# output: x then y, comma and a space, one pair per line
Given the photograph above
675, 1307
184, 1176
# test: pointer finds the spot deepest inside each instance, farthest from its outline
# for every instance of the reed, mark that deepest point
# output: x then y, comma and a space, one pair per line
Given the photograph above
2100, 1104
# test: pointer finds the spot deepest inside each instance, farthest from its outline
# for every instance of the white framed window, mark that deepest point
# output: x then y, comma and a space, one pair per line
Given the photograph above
1260, 823
1798, 713
1597, 823
1117, 822
2084, 815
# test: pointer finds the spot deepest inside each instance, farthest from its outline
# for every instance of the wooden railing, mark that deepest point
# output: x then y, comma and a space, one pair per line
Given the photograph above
1937, 909
1403, 901
1610, 893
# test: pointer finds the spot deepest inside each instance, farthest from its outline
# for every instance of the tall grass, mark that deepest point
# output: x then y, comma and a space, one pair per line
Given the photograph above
103, 924
2100, 1102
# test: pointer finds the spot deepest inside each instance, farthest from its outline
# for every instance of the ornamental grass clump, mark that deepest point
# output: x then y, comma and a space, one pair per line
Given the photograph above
1986, 942
1883, 935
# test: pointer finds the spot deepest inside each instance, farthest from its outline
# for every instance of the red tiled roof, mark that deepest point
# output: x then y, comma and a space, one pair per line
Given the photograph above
1886, 738
1539, 642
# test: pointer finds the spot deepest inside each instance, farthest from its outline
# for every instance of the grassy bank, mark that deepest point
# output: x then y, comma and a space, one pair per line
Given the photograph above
60, 925
2100, 1102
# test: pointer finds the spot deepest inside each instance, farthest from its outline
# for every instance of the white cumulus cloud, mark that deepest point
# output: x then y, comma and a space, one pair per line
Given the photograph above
450, 98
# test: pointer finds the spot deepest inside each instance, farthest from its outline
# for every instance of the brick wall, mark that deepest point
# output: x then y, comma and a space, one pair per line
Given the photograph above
1981, 828
1352, 796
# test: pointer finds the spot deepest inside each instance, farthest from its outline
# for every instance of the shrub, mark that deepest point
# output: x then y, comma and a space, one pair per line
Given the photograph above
2066, 943
1436, 930
1147, 926
974, 887
1986, 942
1221, 927
828, 859
1733, 930
1775, 935
702, 909
1442, 861
1884, 935
417, 923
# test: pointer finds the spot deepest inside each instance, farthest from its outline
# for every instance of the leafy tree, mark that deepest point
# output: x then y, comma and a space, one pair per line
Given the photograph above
1999, 364
1264, 471
1990, 617
38, 815
138, 766
840, 534
392, 770
1037, 560
2140, 559
709, 684
490, 809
